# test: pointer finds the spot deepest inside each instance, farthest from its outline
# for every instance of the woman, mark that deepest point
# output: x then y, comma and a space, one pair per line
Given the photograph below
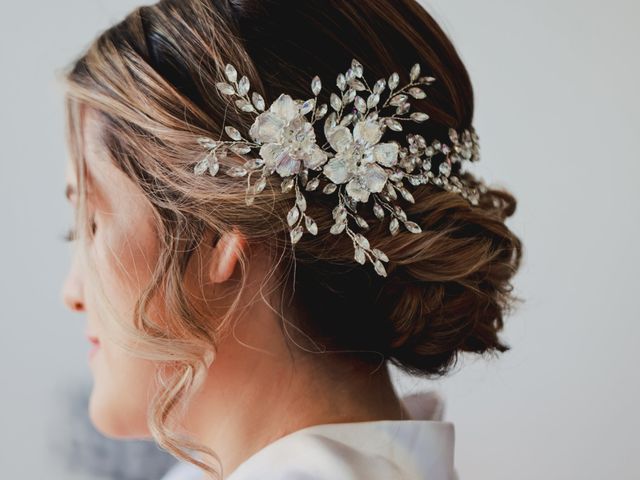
256, 241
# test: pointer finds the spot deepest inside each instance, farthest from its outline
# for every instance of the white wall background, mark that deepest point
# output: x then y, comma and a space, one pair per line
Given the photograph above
557, 111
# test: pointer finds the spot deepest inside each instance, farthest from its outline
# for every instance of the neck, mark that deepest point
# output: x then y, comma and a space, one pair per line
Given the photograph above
257, 392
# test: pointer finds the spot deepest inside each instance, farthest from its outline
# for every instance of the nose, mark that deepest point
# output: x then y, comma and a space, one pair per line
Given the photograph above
72, 294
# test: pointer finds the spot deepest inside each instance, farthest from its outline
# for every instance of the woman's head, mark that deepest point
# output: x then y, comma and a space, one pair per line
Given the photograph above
182, 257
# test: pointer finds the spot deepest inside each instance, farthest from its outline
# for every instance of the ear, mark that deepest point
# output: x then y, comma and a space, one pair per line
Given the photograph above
224, 256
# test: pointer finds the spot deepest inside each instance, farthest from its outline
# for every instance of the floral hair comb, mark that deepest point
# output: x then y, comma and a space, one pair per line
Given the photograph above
354, 162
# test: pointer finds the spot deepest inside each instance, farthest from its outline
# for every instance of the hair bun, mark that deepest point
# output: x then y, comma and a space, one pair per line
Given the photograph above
452, 287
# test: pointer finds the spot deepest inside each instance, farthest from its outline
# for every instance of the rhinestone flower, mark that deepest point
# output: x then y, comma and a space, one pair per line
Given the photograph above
354, 163
360, 159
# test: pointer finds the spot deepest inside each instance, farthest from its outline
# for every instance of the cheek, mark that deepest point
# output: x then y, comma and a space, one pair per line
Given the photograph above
125, 257
123, 384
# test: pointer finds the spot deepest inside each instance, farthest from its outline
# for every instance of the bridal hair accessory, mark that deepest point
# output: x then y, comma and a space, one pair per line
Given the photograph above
354, 162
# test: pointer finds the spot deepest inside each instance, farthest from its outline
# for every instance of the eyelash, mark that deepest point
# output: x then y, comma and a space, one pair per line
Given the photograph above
70, 234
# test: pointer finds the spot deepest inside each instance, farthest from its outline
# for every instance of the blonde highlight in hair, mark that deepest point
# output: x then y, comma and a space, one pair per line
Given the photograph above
151, 81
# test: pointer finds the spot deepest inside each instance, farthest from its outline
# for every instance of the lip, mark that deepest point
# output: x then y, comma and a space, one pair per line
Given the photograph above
95, 342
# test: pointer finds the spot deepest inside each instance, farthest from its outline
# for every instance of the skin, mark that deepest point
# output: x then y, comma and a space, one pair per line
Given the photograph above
253, 393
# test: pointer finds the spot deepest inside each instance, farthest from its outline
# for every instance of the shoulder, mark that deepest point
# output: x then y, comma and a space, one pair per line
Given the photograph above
378, 450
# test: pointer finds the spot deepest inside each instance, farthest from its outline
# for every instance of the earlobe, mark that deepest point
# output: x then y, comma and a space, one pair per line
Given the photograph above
225, 256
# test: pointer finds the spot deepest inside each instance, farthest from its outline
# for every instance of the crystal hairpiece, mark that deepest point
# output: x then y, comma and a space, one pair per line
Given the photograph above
353, 161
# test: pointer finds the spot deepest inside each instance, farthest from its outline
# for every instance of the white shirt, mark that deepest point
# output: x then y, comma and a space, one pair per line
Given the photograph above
418, 449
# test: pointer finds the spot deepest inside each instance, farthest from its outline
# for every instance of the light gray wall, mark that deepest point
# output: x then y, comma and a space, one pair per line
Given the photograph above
557, 102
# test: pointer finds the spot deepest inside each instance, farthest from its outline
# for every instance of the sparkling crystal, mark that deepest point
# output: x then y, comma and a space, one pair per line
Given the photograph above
380, 86
427, 80
296, 234
311, 225
329, 124
357, 85
394, 226
258, 101
207, 142
346, 120
201, 166
254, 163
233, 133
214, 168
357, 68
393, 124
337, 228
445, 169
394, 80
313, 184
379, 268
350, 74
244, 105
261, 184
301, 202
378, 211
362, 223
380, 254
360, 104
341, 82
413, 227
373, 100
419, 116
307, 106
243, 86
415, 72
391, 192
293, 216
287, 185
316, 85
359, 255
231, 73
404, 108
236, 172
398, 100
321, 111
417, 92
329, 188
240, 149
407, 195
400, 213
337, 211
349, 96
362, 240
225, 88
335, 102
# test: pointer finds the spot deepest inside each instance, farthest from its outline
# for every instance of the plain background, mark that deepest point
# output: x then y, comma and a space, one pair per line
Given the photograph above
557, 112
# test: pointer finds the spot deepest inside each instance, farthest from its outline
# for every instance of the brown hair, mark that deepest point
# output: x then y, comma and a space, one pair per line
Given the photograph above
152, 79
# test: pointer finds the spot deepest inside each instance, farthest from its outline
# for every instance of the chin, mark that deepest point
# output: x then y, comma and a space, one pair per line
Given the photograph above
115, 417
